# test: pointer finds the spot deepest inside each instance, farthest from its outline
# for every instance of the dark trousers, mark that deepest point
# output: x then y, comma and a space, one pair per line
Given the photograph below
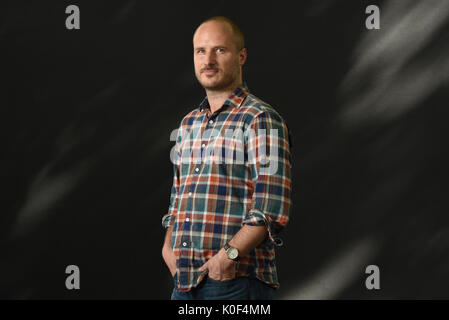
241, 288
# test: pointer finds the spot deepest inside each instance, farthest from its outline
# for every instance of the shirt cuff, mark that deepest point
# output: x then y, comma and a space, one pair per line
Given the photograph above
166, 220
257, 218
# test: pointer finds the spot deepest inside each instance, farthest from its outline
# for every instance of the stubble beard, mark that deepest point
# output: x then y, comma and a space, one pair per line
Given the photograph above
227, 82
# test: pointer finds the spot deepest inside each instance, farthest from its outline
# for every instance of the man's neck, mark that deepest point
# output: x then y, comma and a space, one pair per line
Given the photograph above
217, 98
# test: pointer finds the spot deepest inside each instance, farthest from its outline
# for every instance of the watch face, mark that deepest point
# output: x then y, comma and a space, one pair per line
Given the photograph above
233, 253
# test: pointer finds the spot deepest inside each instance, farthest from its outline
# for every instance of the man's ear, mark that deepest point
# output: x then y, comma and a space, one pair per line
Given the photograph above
242, 56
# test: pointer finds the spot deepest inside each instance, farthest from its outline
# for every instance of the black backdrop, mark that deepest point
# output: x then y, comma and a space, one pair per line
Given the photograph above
86, 117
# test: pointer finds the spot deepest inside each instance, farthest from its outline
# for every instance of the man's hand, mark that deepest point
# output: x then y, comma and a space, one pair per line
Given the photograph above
220, 267
170, 259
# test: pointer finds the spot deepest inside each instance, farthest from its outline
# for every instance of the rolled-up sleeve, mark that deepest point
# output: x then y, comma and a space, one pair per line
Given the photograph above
167, 219
269, 158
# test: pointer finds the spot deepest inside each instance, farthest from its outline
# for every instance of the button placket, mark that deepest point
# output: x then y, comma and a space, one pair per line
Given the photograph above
187, 224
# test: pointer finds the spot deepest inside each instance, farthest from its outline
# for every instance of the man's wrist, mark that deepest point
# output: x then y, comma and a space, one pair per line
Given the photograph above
223, 255
232, 253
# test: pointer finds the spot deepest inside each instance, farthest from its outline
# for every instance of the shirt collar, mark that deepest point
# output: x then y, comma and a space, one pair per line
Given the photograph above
234, 100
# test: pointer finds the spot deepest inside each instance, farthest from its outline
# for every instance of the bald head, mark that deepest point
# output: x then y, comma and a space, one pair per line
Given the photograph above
227, 26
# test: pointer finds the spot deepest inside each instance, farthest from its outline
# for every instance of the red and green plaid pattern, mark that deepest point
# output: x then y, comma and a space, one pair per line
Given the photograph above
231, 168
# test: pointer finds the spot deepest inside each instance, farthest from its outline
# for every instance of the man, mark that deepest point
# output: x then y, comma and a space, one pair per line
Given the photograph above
224, 215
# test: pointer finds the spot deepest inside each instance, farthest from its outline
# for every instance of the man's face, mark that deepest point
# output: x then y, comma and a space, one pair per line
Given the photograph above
216, 59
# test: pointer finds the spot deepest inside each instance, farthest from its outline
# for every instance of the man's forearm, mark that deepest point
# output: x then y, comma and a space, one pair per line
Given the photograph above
167, 240
167, 252
248, 238
166, 248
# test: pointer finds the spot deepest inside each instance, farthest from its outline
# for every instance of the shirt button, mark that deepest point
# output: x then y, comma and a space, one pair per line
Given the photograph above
184, 244
197, 169
190, 194
211, 121
204, 145
187, 219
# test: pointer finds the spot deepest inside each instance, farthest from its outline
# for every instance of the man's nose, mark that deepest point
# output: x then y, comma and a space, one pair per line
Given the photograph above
210, 57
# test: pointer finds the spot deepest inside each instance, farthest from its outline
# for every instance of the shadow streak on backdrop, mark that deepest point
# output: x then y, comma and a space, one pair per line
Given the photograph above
86, 118
383, 164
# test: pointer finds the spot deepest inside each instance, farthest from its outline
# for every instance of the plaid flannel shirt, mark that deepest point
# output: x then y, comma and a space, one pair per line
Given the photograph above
231, 168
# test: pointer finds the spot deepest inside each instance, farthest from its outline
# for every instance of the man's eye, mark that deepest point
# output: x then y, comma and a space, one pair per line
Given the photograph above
200, 51
220, 50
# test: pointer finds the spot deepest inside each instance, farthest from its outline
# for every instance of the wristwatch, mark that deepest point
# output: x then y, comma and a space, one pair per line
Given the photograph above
231, 252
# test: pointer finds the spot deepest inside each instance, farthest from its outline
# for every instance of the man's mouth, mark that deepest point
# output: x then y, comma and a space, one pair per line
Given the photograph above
210, 72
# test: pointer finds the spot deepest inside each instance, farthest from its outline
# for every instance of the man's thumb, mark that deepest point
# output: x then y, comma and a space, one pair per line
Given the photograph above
203, 267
